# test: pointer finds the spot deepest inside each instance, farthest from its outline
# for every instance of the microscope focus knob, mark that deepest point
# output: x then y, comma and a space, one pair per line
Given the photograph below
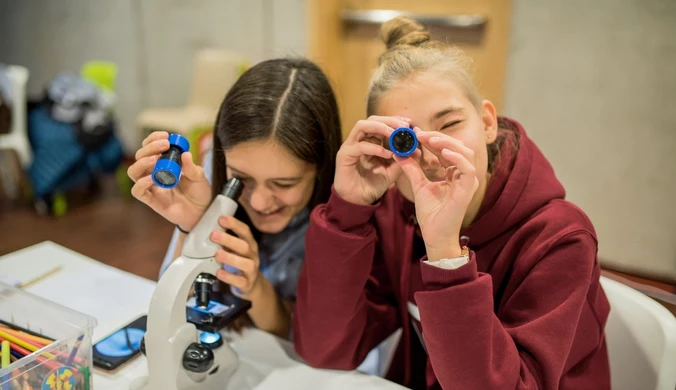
142, 347
198, 358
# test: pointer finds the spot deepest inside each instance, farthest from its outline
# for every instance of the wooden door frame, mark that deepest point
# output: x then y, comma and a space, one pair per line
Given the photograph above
326, 48
324, 31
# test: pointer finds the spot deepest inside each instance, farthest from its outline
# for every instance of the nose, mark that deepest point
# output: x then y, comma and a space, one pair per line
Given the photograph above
261, 199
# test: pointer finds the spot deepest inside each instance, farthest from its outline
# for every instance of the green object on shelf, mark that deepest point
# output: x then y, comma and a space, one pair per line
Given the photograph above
242, 67
59, 205
101, 73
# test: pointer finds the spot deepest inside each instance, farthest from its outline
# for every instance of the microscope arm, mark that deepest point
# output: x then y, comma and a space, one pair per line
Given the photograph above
167, 308
168, 333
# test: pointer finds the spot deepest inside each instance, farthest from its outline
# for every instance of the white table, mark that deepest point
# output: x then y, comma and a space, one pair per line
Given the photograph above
115, 298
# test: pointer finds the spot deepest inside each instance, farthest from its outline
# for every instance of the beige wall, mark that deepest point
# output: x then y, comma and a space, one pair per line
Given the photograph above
594, 82
596, 78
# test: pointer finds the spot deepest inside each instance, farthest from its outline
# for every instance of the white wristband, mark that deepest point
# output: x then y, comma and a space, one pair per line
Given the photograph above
450, 263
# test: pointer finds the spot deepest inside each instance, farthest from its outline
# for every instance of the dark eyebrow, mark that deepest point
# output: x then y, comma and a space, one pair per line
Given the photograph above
446, 111
276, 178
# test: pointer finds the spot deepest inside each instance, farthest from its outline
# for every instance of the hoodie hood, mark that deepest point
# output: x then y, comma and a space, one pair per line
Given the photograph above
522, 182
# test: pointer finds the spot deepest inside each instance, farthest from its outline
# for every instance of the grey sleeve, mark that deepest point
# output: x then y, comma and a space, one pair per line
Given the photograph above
169, 256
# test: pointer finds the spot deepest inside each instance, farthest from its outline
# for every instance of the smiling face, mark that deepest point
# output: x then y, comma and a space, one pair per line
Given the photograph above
437, 103
277, 185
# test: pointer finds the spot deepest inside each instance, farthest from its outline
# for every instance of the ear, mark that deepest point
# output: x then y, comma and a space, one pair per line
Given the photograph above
490, 120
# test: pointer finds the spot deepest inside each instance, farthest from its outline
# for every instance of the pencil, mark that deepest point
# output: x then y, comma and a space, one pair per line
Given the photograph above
5, 361
41, 277
17, 341
20, 353
73, 353
24, 330
35, 340
5, 353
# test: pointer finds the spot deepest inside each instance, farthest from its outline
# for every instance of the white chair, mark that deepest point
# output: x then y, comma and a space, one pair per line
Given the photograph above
641, 337
214, 72
17, 138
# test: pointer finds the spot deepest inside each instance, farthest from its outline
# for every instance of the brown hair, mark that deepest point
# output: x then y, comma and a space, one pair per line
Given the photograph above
290, 101
410, 50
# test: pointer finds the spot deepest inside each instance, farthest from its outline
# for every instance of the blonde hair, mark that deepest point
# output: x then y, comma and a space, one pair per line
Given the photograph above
410, 51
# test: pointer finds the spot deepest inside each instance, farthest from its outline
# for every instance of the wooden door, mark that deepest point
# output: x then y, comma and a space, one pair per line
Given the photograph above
343, 40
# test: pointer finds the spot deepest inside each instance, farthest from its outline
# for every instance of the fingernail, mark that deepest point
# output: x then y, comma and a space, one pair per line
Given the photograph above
216, 235
404, 124
433, 139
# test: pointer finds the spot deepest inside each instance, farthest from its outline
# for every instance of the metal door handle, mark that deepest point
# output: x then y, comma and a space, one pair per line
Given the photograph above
379, 16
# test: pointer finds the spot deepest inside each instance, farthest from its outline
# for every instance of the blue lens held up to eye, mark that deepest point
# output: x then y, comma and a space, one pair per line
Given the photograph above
167, 170
403, 142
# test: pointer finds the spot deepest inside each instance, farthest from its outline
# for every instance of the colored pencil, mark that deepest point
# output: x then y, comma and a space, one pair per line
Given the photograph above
41, 277
32, 343
17, 327
23, 352
27, 337
74, 351
24, 344
5, 361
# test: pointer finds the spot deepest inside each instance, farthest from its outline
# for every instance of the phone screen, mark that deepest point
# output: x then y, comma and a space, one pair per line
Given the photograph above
121, 346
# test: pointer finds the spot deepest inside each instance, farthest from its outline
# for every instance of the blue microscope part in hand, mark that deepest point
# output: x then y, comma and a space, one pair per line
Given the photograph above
167, 171
403, 142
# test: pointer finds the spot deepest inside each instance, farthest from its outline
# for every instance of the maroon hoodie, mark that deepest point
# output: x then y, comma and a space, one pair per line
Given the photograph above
526, 312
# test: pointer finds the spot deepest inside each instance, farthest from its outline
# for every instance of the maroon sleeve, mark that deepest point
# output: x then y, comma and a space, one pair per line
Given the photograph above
345, 305
525, 346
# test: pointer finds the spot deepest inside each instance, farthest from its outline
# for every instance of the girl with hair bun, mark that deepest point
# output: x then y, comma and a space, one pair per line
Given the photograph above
468, 244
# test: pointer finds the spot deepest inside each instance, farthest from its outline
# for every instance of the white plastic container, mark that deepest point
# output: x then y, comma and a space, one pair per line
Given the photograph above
66, 363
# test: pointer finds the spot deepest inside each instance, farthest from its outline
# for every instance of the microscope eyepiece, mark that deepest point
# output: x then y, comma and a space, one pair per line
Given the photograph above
403, 142
233, 188
167, 171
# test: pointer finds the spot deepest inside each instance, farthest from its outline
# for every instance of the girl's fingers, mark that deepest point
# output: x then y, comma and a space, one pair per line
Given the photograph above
141, 190
435, 141
141, 168
366, 148
154, 136
237, 281
234, 244
413, 171
240, 229
153, 148
243, 264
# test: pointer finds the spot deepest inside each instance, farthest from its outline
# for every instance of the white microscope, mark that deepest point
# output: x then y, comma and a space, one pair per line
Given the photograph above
182, 344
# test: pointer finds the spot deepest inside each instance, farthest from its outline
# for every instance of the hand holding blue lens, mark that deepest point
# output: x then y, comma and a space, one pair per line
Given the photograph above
403, 142
167, 172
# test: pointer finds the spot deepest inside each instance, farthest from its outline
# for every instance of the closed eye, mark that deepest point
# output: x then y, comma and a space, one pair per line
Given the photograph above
450, 124
284, 185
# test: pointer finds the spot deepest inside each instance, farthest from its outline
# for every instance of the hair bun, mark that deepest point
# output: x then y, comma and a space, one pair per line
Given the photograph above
402, 31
